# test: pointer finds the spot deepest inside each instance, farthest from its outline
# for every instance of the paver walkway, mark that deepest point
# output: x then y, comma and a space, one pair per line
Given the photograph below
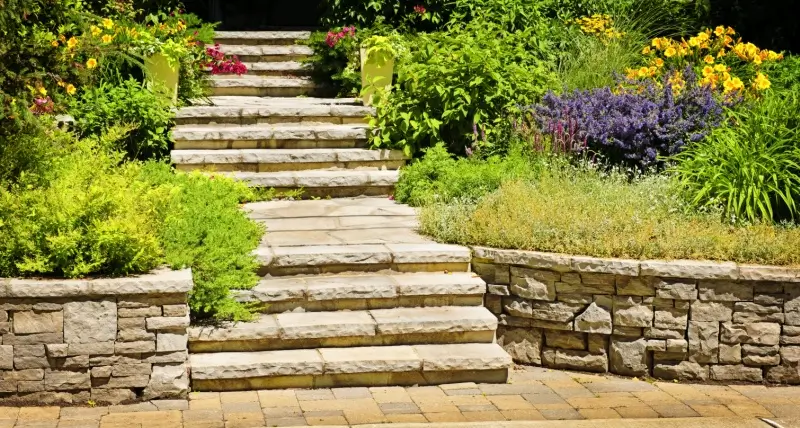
531, 394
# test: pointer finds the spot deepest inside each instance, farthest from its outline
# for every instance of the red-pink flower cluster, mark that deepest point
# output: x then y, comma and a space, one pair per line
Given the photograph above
42, 106
420, 9
219, 64
333, 37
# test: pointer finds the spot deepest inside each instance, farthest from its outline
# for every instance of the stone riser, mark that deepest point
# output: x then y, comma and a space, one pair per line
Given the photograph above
336, 120
258, 42
338, 192
273, 344
401, 267
299, 166
266, 92
268, 144
273, 58
353, 380
366, 304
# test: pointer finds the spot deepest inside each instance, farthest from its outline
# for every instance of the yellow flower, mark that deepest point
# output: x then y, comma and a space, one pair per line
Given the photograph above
643, 72
54, 43
757, 60
71, 89
91, 63
694, 42
734, 84
670, 52
708, 71
659, 62
630, 73
709, 59
107, 39
761, 82
774, 56
108, 23
72, 42
721, 53
702, 37
719, 31
42, 91
730, 31
62, 38
96, 30
720, 68
646, 50
61, 83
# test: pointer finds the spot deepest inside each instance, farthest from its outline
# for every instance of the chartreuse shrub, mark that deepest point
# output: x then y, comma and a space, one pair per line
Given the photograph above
751, 167
589, 211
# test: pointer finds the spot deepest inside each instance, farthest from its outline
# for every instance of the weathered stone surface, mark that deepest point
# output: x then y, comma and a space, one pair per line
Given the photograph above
513, 321
635, 286
517, 307
168, 381
725, 291
790, 354
679, 289
707, 311
498, 290
152, 311
469, 356
768, 299
57, 350
66, 380
784, 373
582, 288
523, 344
6, 357
627, 331
134, 334
657, 345
32, 339
583, 299
753, 355
28, 322
90, 322
175, 310
137, 381
565, 339
597, 343
123, 370
629, 312
102, 371
574, 360
629, 357
735, 372
555, 311
134, 347
730, 354
603, 265
102, 348
750, 317
534, 259
684, 370
660, 333
165, 357
25, 375
112, 396
768, 273
397, 321
754, 333
791, 335
534, 284
671, 318
690, 269
677, 345
594, 320
168, 323
703, 342
161, 281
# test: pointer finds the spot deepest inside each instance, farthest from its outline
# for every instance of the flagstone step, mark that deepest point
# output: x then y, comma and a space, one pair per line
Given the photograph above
297, 213
263, 86
364, 291
270, 160
261, 37
256, 110
269, 136
376, 327
281, 68
359, 366
267, 53
324, 183
400, 257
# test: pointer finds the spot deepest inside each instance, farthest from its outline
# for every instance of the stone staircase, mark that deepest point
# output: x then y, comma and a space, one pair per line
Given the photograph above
350, 294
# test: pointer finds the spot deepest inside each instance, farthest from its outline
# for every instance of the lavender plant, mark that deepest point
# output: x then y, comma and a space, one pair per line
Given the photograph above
633, 125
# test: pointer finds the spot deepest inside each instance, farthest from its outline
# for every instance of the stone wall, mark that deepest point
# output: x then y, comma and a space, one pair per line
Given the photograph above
106, 340
683, 320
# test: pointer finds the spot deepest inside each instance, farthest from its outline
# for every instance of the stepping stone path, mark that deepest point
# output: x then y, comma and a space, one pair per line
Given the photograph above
351, 294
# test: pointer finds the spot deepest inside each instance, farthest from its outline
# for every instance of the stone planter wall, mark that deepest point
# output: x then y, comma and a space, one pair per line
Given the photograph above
682, 320
106, 340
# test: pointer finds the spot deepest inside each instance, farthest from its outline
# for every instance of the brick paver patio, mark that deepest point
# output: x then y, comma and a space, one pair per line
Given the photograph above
531, 394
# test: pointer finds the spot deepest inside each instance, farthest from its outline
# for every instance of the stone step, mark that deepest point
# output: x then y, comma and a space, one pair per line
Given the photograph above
297, 213
248, 112
267, 53
263, 86
324, 183
361, 366
269, 136
271, 160
399, 257
376, 327
364, 291
282, 68
260, 37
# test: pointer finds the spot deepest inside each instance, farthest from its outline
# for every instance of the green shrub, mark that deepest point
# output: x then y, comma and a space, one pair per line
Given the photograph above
751, 167
452, 86
361, 13
601, 214
131, 102
88, 215
203, 228
784, 75
336, 62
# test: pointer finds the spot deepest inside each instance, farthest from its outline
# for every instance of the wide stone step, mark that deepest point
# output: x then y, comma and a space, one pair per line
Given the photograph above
257, 110
282, 68
267, 53
399, 257
364, 291
269, 136
360, 366
324, 183
260, 37
262, 86
270, 160
376, 327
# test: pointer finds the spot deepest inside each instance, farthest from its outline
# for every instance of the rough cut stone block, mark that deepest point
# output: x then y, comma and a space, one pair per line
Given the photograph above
677, 345
534, 259
517, 307
753, 333
791, 318
498, 290
469, 356
769, 299
707, 311
580, 288
168, 323
123, 370
629, 358
784, 373
768, 273
152, 311
574, 360
32, 339
101, 372
594, 320
630, 313
703, 342
761, 355
523, 344
76, 362
750, 317
583, 299
684, 370
678, 289
484, 270
90, 322
28, 322
534, 284
103, 348
112, 396
175, 310
6, 357
565, 339
735, 372
604, 279
725, 291
790, 354
552, 325
134, 335
635, 286
668, 357
67, 380
138, 381
597, 343
730, 354
627, 331
791, 335
168, 381
512, 321
671, 318
24, 375
657, 345
493, 303
57, 350
165, 357
555, 311
29, 351
502, 274
134, 347
690, 269
660, 333
608, 266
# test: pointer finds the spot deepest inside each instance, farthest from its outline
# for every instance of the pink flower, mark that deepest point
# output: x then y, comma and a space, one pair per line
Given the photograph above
420, 9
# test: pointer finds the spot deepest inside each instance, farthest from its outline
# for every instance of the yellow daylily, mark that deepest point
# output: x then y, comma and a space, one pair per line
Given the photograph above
708, 71
71, 89
107, 39
54, 43
72, 42
719, 31
670, 52
91, 63
709, 59
96, 30
761, 82
108, 23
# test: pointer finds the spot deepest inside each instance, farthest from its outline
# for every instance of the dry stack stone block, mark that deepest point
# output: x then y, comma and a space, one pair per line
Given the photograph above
685, 320
106, 340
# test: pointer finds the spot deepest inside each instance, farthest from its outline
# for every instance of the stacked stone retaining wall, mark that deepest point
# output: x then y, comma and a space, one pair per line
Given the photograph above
685, 320
101, 340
